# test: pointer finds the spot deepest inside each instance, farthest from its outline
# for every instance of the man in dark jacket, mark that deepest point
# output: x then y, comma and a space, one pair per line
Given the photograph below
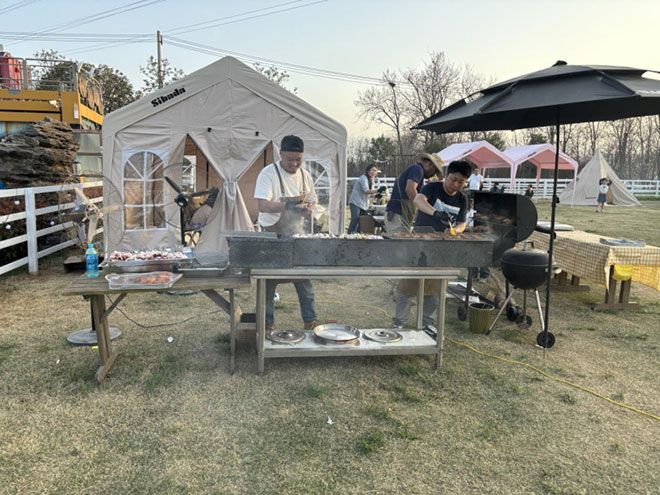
400, 211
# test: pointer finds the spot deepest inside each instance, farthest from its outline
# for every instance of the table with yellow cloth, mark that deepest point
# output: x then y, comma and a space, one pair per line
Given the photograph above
582, 255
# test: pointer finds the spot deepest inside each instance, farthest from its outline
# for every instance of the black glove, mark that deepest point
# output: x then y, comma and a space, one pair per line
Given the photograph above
382, 189
441, 215
293, 207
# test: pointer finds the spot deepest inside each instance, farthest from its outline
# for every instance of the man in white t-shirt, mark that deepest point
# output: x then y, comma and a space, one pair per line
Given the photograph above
285, 196
475, 180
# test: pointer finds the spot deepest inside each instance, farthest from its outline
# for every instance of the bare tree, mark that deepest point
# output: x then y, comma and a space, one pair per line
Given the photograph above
278, 76
430, 89
358, 155
647, 138
414, 95
622, 141
382, 105
594, 132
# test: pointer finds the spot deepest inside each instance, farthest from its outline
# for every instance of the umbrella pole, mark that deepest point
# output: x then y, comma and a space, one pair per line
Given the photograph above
552, 241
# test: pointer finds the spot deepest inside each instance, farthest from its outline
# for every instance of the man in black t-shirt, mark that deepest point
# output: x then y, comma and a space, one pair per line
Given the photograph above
448, 214
441, 204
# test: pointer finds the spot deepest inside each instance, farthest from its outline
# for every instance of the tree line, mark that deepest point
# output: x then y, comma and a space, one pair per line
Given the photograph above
406, 97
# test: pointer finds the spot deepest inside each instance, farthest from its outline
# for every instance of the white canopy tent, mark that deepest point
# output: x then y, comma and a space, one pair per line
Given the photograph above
584, 189
542, 156
235, 118
483, 154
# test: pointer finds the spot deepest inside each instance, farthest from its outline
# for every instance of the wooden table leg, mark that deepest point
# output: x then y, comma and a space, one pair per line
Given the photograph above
106, 352
234, 317
575, 281
624, 292
561, 278
610, 292
561, 283
610, 295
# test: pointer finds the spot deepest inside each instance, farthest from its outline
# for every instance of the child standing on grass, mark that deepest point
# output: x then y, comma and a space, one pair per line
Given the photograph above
603, 187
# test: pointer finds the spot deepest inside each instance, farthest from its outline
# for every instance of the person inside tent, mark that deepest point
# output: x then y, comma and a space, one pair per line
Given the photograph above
285, 196
603, 188
529, 192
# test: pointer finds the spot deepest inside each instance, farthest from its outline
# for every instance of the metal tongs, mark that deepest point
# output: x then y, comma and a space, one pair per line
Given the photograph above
452, 224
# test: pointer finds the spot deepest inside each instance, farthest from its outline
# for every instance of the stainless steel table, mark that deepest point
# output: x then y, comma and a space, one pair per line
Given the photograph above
413, 342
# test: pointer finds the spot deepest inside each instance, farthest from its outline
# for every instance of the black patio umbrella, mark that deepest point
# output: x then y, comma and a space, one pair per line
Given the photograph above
561, 94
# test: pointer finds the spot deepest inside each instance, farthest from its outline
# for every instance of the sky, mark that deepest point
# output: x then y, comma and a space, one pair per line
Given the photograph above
498, 40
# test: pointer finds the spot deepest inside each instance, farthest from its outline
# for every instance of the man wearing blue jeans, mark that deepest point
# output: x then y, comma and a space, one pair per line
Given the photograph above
305, 299
443, 207
285, 196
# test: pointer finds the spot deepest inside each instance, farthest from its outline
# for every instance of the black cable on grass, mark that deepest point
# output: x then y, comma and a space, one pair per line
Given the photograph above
162, 324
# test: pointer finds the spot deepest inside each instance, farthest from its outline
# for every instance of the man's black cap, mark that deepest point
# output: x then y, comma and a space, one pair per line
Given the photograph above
292, 143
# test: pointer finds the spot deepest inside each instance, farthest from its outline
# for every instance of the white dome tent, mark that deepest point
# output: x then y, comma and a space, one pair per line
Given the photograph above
585, 193
235, 118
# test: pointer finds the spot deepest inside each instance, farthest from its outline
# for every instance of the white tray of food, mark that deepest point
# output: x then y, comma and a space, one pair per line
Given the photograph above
147, 280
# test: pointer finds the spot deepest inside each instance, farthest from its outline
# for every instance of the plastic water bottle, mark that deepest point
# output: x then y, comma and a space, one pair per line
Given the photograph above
91, 262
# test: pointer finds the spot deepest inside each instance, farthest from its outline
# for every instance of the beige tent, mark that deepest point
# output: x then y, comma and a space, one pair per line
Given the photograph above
586, 192
228, 120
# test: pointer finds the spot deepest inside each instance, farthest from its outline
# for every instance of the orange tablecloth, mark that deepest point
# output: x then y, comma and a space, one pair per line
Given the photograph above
581, 254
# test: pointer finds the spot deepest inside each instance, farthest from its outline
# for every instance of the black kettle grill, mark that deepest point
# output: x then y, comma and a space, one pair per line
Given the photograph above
526, 269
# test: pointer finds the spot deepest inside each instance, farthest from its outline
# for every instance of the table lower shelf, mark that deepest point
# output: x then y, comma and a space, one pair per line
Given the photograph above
413, 342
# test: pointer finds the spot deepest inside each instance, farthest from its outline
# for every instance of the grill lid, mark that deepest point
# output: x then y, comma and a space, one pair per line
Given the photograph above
530, 257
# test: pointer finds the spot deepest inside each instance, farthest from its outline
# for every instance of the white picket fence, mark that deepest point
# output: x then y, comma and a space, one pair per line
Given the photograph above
32, 234
635, 186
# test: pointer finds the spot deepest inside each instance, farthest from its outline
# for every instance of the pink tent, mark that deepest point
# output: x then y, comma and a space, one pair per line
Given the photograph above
483, 154
542, 156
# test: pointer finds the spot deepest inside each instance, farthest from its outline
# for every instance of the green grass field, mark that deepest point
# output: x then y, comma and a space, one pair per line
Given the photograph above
169, 419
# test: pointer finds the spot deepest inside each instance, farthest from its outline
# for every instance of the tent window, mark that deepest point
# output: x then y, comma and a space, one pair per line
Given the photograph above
143, 189
321, 177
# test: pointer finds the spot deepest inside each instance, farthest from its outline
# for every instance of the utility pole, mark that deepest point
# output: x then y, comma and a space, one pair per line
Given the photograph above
159, 43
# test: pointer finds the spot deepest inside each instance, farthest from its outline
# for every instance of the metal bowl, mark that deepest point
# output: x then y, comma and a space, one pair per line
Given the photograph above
336, 333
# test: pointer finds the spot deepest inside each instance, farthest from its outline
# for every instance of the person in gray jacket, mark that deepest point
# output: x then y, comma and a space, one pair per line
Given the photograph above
359, 200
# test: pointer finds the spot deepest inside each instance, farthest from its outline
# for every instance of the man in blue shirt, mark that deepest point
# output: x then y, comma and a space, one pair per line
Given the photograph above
448, 214
400, 210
